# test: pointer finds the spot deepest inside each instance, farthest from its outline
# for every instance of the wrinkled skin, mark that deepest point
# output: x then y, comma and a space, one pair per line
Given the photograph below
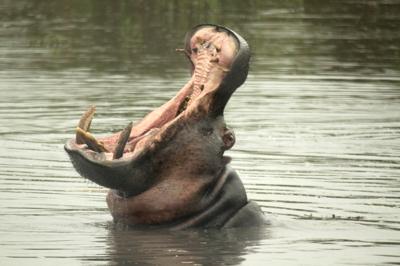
169, 169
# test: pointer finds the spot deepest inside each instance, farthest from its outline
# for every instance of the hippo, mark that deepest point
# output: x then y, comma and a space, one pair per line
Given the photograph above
169, 169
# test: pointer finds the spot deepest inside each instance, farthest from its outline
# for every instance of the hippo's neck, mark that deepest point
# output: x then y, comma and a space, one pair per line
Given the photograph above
228, 197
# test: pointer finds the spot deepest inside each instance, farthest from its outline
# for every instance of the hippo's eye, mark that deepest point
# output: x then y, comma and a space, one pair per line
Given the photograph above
194, 50
206, 131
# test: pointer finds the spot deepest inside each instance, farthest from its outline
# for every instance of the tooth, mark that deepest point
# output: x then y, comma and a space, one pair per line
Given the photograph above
182, 107
86, 119
122, 140
224, 69
85, 122
182, 51
90, 140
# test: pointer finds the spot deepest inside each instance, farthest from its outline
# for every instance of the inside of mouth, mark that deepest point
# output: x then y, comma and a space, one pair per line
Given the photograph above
211, 51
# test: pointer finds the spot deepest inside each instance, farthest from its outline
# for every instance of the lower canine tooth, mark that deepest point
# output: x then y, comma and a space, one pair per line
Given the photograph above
122, 140
85, 122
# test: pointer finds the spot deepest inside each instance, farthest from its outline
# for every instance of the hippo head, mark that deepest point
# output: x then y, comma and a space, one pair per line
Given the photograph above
170, 164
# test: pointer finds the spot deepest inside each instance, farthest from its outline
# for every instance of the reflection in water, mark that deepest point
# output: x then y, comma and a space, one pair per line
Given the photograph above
317, 127
121, 36
363, 32
188, 247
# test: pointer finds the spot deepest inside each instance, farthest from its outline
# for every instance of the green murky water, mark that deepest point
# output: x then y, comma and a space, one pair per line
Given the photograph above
317, 126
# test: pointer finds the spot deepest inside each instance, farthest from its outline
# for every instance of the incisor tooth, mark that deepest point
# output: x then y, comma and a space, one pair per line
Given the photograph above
90, 141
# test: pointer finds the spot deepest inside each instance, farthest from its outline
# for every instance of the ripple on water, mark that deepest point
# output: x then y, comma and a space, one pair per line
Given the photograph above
317, 126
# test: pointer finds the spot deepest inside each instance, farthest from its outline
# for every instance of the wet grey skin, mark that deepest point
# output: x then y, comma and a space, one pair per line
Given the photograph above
175, 175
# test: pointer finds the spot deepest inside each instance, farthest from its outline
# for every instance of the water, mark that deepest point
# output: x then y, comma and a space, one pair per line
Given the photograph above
317, 127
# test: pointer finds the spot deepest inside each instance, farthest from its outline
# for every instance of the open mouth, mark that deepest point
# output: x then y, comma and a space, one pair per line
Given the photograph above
187, 129
211, 51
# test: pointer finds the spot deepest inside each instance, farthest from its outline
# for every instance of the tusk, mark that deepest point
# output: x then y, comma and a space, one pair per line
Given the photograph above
90, 140
85, 122
122, 140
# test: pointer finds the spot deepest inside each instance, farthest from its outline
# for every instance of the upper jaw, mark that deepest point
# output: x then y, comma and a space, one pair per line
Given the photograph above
234, 58
219, 59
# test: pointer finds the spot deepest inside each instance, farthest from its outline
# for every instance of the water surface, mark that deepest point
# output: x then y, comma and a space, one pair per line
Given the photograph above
317, 126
